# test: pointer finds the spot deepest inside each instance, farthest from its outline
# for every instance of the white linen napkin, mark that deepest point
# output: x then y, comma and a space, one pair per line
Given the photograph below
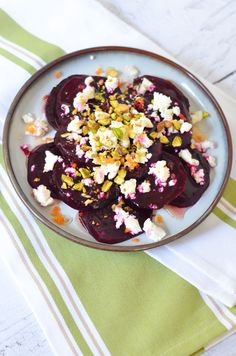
206, 256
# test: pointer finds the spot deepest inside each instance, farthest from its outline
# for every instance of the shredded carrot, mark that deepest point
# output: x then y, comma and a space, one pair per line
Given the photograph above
30, 129
99, 71
56, 210
59, 219
159, 219
135, 239
57, 74
73, 165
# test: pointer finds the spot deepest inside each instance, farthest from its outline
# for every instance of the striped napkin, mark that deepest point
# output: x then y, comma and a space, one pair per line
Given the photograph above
94, 302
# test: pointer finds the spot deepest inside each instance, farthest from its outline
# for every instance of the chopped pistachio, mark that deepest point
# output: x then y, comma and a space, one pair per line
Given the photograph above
122, 108
88, 201
113, 116
85, 130
86, 195
176, 124
66, 179
177, 141
117, 132
36, 180
64, 185
119, 180
105, 121
112, 72
110, 109
153, 134
160, 126
85, 172
78, 186
65, 134
168, 124
74, 112
106, 186
122, 173
164, 139
205, 114
85, 147
114, 103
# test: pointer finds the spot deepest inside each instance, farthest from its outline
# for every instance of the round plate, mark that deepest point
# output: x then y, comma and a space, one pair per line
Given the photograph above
29, 99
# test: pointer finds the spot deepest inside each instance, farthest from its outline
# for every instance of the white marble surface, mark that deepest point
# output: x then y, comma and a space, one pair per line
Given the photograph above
200, 34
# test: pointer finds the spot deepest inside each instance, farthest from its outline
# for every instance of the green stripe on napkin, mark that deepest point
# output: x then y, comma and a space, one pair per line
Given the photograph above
17, 61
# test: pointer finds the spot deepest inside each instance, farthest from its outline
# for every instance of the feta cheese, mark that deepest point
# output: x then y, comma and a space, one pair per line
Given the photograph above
107, 138
75, 126
99, 115
88, 182
66, 109
128, 188
82, 98
79, 152
176, 110
43, 195
111, 84
132, 71
50, 160
161, 102
187, 157
123, 217
160, 171
144, 86
37, 128
199, 176
185, 127
211, 160
153, 232
99, 175
112, 169
88, 81
207, 144
28, 118
116, 124
144, 187
144, 140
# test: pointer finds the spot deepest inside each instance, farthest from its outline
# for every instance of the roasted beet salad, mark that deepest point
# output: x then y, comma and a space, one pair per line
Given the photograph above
120, 152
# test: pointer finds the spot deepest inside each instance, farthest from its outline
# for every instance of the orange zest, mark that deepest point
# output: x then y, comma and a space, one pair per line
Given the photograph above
58, 218
30, 128
198, 136
58, 74
127, 231
159, 219
98, 71
135, 239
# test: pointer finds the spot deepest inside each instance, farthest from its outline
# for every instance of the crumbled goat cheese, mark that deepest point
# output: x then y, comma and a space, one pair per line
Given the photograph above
144, 187
160, 171
185, 127
211, 160
128, 188
161, 102
111, 84
50, 160
75, 126
176, 110
130, 221
153, 232
144, 86
187, 157
199, 176
82, 98
43, 195
132, 71
28, 118
99, 115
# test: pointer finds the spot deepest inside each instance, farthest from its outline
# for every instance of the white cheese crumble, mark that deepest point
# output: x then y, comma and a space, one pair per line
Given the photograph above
144, 187
142, 155
79, 152
128, 188
43, 195
107, 138
199, 176
132, 71
130, 221
176, 110
111, 84
207, 144
37, 128
101, 115
185, 127
211, 160
65, 108
161, 102
187, 157
153, 232
82, 98
28, 118
75, 126
144, 86
116, 124
50, 160
144, 140
160, 171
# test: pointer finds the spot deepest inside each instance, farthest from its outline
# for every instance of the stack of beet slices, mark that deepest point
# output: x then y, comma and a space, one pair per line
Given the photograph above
164, 178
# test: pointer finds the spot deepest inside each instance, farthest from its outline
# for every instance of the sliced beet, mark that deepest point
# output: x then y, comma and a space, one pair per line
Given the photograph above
142, 169
159, 196
50, 108
36, 162
78, 199
165, 87
193, 190
102, 226
67, 147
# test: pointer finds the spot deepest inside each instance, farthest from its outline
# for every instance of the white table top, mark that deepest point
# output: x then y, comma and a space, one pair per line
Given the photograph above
200, 34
